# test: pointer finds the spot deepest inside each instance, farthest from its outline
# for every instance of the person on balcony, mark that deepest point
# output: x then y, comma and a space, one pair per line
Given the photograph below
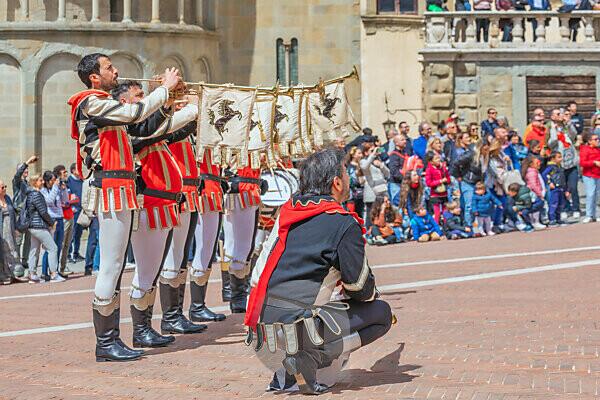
538, 5
505, 24
436, 5
482, 23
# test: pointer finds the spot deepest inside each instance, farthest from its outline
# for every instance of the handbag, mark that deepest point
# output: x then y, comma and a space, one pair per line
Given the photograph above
510, 177
441, 188
84, 219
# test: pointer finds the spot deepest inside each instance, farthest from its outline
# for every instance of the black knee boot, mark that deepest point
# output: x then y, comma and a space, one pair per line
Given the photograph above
226, 290
198, 310
173, 320
109, 347
143, 333
239, 293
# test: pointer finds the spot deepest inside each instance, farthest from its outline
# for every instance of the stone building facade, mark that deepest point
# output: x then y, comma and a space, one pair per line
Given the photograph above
42, 41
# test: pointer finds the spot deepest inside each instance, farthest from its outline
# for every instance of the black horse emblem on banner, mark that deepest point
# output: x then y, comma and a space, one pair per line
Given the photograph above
327, 104
279, 116
226, 114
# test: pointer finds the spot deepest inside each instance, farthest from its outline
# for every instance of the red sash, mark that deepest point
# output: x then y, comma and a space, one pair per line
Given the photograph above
74, 102
291, 213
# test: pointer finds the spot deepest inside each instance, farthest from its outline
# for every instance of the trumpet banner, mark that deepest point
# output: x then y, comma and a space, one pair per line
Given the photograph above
224, 123
330, 113
286, 124
261, 140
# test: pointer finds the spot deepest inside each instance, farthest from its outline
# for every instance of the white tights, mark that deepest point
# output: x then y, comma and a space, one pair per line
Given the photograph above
207, 234
239, 227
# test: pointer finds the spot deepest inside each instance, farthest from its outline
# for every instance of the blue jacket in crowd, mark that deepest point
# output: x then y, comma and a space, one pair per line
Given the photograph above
75, 187
424, 225
419, 146
482, 204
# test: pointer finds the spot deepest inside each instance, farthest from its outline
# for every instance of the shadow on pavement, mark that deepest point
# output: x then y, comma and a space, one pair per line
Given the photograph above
385, 371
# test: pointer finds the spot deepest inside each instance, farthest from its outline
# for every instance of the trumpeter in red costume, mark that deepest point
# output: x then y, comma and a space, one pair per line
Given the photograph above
160, 186
207, 236
315, 255
239, 230
98, 124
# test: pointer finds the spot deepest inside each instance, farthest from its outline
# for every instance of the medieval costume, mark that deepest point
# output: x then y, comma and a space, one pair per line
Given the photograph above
239, 229
207, 235
315, 245
161, 186
98, 125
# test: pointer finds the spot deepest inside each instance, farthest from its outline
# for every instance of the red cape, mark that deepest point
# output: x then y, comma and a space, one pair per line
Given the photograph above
292, 212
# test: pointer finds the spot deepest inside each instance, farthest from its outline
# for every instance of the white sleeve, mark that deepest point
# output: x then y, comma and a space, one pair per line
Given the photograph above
126, 114
183, 117
264, 254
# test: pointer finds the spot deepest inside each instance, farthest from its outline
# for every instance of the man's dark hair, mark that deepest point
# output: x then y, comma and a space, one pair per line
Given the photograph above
489, 110
571, 102
88, 65
73, 167
367, 131
58, 169
123, 88
318, 171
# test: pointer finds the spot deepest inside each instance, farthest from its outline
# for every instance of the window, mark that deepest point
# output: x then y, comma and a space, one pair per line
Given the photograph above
294, 62
397, 6
281, 69
287, 62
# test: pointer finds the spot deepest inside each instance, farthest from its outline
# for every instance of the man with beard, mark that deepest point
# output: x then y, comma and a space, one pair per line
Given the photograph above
99, 125
316, 253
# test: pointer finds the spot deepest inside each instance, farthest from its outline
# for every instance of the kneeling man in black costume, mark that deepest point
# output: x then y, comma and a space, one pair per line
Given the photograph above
313, 293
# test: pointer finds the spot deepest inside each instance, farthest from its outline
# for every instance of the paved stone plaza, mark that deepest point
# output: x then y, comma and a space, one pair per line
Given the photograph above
509, 317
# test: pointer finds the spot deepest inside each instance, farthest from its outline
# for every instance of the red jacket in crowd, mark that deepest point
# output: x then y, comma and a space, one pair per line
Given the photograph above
433, 179
587, 156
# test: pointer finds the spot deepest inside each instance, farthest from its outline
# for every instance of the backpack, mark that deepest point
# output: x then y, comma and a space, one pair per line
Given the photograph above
24, 219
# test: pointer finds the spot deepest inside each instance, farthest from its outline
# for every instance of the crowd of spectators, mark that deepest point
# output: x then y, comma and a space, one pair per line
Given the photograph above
482, 25
41, 215
476, 180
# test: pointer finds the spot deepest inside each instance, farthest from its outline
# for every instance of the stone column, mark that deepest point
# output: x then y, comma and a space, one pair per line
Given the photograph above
540, 31
181, 11
95, 11
155, 12
25, 9
62, 10
199, 12
127, 11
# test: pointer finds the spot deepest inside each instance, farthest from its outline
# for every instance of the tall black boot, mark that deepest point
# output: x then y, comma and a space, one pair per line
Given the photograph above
239, 293
143, 333
226, 290
173, 320
303, 367
198, 310
109, 346
117, 334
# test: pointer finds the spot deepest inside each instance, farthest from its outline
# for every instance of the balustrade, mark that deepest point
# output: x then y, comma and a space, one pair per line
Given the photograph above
523, 28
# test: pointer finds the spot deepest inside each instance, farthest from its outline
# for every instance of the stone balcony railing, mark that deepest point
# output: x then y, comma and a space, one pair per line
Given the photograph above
96, 22
458, 30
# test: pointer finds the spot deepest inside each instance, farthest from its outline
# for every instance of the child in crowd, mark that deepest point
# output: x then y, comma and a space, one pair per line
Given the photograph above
411, 193
530, 171
454, 226
424, 227
437, 179
523, 203
535, 149
554, 176
482, 206
387, 223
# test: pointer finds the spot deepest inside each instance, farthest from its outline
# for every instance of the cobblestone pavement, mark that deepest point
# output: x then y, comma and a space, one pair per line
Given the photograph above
509, 317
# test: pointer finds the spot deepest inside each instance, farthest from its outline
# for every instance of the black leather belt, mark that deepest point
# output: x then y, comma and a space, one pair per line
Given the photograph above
111, 174
242, 179
211, 177
192, 181
177, 197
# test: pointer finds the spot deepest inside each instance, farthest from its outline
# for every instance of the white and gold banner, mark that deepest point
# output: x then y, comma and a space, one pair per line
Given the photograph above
330, 113
224, 123
261, 139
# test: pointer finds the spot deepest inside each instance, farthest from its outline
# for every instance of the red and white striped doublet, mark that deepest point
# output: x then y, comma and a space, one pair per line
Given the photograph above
184, 156
161, 173
211, 198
